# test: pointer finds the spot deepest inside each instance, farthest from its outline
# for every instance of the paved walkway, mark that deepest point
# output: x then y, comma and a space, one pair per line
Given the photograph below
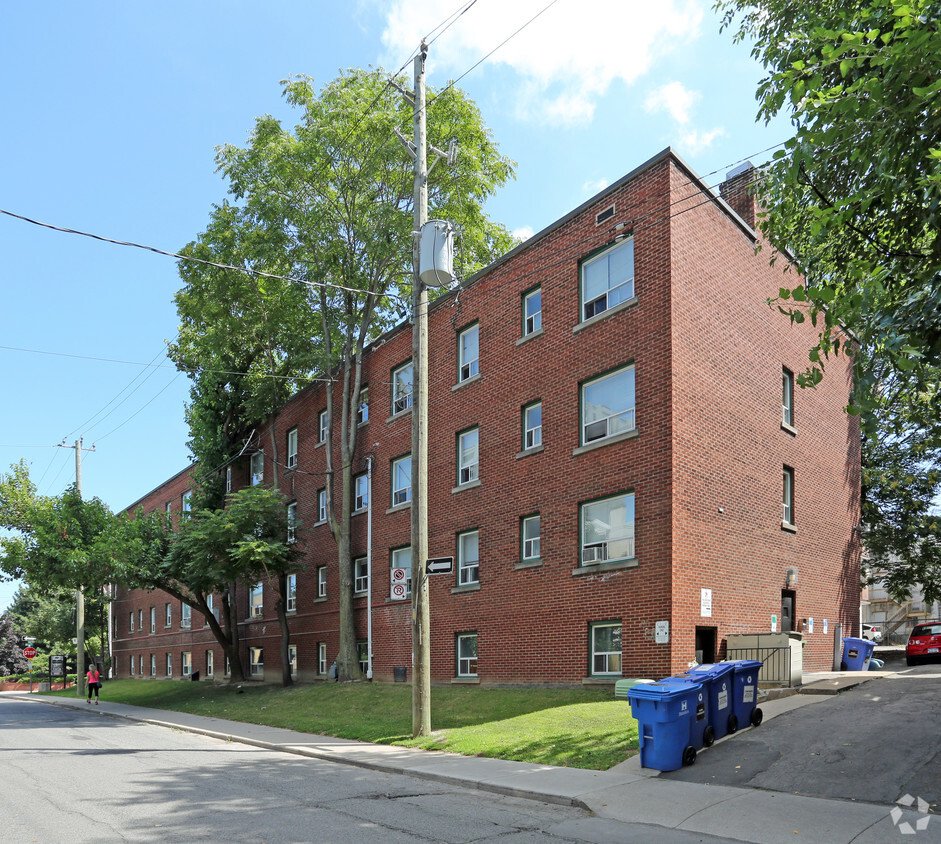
626, 792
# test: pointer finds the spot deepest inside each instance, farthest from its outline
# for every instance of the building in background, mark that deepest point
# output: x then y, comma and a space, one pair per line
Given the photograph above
620, 464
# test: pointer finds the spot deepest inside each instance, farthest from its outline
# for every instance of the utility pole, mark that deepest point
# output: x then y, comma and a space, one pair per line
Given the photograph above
79, 594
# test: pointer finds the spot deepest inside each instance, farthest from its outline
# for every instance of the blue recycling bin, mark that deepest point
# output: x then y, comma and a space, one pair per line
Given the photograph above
670, 715
857, 653
716, 679
745, 709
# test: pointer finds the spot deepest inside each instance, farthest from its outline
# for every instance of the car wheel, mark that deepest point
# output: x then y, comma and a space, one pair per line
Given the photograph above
709, 736
911, 660
689, 755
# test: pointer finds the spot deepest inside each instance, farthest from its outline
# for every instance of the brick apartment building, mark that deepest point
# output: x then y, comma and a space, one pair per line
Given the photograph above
619, 464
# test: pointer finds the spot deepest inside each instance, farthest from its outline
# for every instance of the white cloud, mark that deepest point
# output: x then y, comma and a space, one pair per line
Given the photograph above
591, 188
674, 98
566, 59
523, 232
696, 141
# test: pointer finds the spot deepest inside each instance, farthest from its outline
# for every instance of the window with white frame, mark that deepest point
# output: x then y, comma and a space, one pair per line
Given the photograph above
468, 352
402, 480
132, 665
362, 654
211, 606
532, 311
186, 616
605, 648
153, 665
466, 653
787, 398
321, 505
130, 623
402, 388
228, 479
256, 662
256, 464
322, 426
361, 575
362, 412
468, 558
360, 492
256, 600
530, 535
787, 507
169, 511
292, 660
226, 666
607, 529
468, 456
210, 664
140, 620
186, 502
322, 658
321, 581
153, 619
169, 665
607, 279
168, 614
292, 521
532, 425
292, 448
608, 405
187, 663
401, 573
292, 593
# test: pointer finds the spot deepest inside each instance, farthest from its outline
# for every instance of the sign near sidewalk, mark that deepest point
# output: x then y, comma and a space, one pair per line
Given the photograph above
29, 652
439, 565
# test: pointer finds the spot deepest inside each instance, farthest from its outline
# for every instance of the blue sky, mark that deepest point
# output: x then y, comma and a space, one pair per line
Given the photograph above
112, 112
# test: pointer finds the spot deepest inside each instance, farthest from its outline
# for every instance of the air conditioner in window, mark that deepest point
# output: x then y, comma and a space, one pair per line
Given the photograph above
469, 474
595, 553
292, 461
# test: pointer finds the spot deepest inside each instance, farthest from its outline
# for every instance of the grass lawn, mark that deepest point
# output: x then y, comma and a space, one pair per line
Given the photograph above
581, 728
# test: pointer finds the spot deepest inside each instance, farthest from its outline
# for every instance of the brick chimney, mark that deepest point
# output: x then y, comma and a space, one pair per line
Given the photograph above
738, 189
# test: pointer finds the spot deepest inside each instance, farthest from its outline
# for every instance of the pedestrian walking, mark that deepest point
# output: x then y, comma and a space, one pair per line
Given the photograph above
94, 682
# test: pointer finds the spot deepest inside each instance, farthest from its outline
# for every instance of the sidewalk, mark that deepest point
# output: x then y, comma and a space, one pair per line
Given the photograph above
625, 793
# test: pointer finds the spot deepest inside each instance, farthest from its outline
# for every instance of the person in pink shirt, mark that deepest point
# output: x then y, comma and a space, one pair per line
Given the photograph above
94, 682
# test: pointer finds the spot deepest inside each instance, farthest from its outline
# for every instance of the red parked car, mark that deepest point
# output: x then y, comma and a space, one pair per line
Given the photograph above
924, 645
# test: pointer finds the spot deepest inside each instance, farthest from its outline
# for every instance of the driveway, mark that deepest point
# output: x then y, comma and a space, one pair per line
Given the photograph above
876, 743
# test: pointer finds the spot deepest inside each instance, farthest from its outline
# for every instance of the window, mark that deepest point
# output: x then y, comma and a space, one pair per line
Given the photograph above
608, 530
292, 593
606, 648
322, 658
360, 492
787, 398
169, 665
466, 649
228, 479
130, 624
467, 457
186, 616
140, 620
322, 426
529, 531
362, 653
787, 509
532, 425
210, 604
153, 665
608, 405
187, 663
169, 615
532, 311
321, 581
361, 575
169, 511
226, 667
362, 412
257, 467
608, 279
321, 505
468, 558
402, 388
186, 502
153, 619
292, 659
256, 601
468, 353
401, 576
292, 521
256, 662
402, 480
292, 448
209, 664
132, 665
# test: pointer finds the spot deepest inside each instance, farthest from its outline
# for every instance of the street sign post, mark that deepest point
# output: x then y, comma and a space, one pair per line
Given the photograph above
439, 565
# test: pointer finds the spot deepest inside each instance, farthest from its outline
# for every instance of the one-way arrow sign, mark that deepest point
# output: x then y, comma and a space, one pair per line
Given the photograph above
439, 565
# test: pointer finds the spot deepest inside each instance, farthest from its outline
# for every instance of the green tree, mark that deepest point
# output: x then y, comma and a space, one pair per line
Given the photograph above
12, 642
329, 203
855, 195
49, 617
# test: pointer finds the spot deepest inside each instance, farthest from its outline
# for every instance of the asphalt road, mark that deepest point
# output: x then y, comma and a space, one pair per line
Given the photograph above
876, 743
74, 775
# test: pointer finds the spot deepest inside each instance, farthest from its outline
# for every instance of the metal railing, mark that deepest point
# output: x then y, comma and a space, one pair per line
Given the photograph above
777, 663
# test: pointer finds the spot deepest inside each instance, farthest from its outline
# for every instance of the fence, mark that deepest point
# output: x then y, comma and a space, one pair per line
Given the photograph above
777, 663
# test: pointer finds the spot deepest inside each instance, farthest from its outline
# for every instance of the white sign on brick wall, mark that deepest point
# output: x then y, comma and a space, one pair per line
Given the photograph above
661, 632
705, 603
